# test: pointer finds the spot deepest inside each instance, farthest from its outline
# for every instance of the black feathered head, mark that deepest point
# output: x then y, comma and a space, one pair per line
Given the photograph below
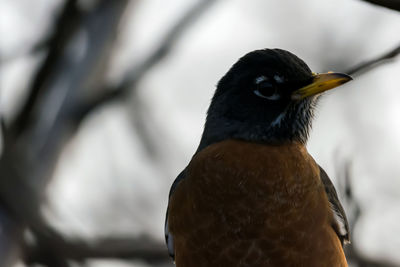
267, 96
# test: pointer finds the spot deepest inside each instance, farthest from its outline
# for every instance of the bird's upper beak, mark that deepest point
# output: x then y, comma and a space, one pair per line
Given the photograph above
321, 82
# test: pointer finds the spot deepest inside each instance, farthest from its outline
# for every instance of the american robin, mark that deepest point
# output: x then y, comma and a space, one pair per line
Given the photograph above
251, 194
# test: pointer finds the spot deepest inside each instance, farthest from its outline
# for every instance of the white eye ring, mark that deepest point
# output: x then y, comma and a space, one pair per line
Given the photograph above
262, 82
271, 97
260, 79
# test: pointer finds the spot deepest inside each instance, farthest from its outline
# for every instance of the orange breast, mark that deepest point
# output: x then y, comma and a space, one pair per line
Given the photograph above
247, 204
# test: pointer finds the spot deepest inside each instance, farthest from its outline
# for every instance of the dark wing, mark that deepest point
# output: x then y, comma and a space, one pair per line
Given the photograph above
169, 239
340, 224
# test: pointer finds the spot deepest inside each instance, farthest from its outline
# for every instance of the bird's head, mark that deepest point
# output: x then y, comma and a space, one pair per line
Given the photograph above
267, 96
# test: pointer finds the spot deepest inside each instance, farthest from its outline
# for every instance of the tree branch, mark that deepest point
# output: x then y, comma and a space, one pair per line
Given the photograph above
391, 4
354, 212
375, 62
34, 139
136, 72
67, 22
142, 248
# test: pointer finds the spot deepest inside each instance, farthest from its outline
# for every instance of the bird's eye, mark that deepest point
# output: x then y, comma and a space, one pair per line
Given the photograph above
266, 89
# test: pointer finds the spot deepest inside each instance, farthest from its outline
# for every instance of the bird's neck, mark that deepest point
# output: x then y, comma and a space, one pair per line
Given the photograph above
291, 126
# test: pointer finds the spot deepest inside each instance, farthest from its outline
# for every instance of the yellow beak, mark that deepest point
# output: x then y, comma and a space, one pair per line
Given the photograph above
321, 82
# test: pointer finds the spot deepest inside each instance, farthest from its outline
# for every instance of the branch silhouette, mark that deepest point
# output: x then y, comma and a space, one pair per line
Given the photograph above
391, 4
138, 71
368, 65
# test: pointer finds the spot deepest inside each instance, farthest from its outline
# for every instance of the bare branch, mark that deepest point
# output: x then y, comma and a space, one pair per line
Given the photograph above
33, 141
354, 256
67, 22
135, 73
166, 44
142, 248
375, 62
42, 122
391, 4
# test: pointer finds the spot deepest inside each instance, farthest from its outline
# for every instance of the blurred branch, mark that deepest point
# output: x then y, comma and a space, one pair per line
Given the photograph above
78, 48
79, 45
375, 62
391, 4
20, 197
138, 71
67, 22
37, 135
170, 39
142, 248
23, 52
353, 209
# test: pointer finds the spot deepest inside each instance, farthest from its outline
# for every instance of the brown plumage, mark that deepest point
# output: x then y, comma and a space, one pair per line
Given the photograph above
245, 204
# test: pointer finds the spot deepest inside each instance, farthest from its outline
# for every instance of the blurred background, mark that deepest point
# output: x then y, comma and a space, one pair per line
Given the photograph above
102, 104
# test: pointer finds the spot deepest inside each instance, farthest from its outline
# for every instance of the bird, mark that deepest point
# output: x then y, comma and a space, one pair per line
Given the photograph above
251, 194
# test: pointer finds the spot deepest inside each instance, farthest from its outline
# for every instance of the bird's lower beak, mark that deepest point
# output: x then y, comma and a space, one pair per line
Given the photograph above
321, 82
